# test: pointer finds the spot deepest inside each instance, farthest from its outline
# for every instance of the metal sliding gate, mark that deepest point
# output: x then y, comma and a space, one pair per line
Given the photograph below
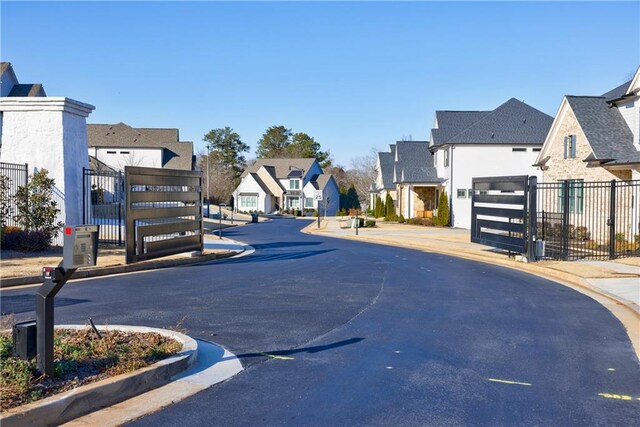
499, 207
104, 204
567, 220
163, 212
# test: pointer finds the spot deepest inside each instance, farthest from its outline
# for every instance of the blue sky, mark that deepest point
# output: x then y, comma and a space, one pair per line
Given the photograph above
354, 75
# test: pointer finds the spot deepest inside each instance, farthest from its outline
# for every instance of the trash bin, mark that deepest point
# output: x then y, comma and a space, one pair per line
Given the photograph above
254, 217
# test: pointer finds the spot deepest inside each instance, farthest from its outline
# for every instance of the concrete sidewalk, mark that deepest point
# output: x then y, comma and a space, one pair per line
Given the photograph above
614, 284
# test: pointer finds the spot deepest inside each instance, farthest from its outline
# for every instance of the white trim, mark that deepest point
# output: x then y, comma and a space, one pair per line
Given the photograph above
26, 103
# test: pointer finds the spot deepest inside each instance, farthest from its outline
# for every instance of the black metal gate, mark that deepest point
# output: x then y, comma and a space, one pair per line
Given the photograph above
104, 204
588, 220
566, 220
163, 212
14, 176
499, 207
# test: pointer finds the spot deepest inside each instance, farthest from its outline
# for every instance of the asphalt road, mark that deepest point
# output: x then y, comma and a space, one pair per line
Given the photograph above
336, 332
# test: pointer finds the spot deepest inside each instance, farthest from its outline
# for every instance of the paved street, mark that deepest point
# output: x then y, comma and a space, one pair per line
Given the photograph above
338, 332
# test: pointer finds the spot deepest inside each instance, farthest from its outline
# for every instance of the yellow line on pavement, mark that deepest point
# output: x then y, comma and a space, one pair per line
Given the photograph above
495, 380
274, 356
617, 396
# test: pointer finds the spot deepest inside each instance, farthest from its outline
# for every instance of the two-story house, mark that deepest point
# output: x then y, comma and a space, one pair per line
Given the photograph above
272, 185
468, 144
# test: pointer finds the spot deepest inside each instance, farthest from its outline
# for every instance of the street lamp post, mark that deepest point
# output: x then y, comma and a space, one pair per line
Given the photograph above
208, 182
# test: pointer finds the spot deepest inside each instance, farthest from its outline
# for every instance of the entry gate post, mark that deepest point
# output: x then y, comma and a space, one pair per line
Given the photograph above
533, 219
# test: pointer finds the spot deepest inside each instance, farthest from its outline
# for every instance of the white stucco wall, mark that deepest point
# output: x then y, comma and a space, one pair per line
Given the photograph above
119, 157
49, 133
483, 161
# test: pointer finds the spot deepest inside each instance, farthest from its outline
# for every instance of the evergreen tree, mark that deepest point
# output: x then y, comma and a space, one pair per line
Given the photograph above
226, 148
274, 143
389, 206
380, 210
304, 146
352, 198
443, 210
36, 209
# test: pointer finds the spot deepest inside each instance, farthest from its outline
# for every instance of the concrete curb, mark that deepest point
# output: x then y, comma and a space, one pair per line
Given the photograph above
117, 269
630, 318
58, 409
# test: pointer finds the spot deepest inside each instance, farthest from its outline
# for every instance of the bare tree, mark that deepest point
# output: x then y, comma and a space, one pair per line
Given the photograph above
222, 180
363, 173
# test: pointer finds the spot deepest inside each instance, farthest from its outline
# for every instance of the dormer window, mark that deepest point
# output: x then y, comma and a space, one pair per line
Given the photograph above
294, 184
446, 157
570, 147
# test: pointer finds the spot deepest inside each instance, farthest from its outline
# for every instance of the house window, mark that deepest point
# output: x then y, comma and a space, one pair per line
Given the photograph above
294, 184
111, 152
248, 202
570, 147
435, 159
470, 192
294, 203
446, 158
462, 193
519, 149
576, 196
308, 202
536, 150
124, 152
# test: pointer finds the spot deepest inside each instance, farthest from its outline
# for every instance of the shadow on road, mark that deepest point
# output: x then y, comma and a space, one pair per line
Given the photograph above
314, 349
12, 304
283, 245
280, 256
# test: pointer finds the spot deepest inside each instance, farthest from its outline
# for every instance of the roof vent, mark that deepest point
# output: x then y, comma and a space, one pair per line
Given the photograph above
524, 121
493, 135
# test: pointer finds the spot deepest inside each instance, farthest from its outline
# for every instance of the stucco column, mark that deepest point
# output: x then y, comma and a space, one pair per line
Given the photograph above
49, 133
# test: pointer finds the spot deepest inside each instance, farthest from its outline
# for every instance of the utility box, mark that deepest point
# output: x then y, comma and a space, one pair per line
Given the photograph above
80, 246
24, 340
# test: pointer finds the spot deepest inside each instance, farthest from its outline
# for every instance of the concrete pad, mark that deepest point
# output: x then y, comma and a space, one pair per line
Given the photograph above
627, 288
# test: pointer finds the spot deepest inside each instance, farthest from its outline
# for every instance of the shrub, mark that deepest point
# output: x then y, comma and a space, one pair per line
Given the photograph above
26, 241
370, 223
391, 217
35, 205
442, 219
401, 219
620, 237
582, 233
420, 221
342, 212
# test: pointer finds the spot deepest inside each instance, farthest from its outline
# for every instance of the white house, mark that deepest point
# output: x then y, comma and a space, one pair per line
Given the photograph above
468, 144
384, 178
45, 133
119, 145
271, 185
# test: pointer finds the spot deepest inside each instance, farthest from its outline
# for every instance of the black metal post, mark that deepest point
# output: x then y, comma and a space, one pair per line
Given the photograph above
533, 218
220, 221
84, 195
318, 214
565, 220
612, 221
45, 317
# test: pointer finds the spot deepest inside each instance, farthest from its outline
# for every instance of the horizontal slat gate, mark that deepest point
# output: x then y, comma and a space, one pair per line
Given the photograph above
164, 212
499, 212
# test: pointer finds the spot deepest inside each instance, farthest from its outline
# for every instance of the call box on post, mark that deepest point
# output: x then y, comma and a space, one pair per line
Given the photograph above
80, 246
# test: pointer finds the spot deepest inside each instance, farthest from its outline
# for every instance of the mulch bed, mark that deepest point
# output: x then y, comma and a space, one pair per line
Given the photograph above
81, 357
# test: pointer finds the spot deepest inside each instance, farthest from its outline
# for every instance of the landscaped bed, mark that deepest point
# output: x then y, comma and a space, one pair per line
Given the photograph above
81, 357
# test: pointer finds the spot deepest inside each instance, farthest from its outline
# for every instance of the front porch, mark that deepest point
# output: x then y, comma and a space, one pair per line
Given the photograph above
418, 201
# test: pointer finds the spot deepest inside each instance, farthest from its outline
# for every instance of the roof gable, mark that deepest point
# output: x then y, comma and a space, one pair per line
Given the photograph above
281, 167
414, 163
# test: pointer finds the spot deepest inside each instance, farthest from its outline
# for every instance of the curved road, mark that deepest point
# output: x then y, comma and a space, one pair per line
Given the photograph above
336, 332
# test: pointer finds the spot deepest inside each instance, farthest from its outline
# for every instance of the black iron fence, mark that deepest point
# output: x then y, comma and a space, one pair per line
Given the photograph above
14, 176
104, 204
588, 220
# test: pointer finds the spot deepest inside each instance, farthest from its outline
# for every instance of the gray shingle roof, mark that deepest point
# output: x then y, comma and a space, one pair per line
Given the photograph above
176, 155
27, 89
451, 123
322, 181
280, 166
513, 122
617, 92
386, 161
415, 163
605, 129
262, 185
